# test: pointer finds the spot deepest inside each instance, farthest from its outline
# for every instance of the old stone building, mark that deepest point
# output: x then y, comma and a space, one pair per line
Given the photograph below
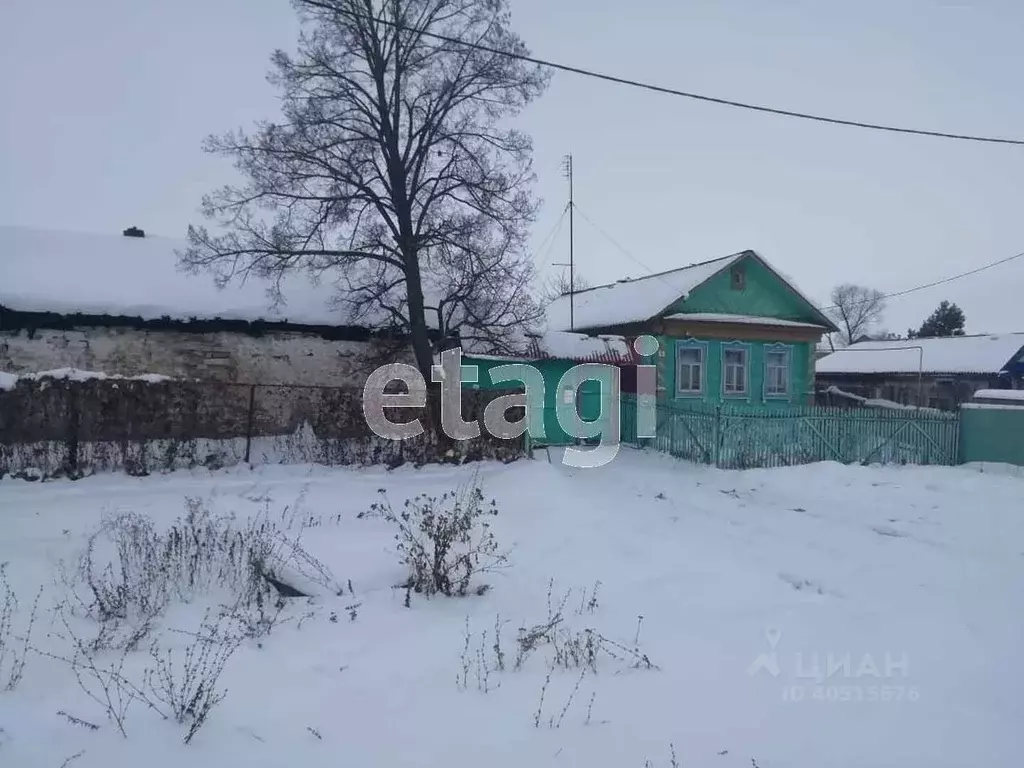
932, 373
119, 305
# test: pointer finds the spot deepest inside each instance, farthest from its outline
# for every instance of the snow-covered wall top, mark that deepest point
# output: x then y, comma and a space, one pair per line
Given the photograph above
955, 354
100, 274
9, 381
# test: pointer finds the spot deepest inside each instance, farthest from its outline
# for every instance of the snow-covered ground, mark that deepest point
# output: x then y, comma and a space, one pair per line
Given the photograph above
748, 583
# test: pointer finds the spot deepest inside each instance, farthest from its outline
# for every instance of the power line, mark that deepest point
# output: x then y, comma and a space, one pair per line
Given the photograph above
893, 295
943, 281
615, 242
685, 94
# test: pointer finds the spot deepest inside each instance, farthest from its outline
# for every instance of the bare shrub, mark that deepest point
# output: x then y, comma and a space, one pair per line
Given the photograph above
575, 648
186, 683
673, 761
13, 648
444, 541
104, 684
135, 585
178, 687
132, 572
563, 647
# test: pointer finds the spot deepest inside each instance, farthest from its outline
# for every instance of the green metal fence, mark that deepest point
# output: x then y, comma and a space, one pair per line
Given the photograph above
732, 437
992, 433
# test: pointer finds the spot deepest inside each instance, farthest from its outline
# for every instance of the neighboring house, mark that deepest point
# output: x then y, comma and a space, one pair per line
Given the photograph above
934, 372
732, 330
119, 305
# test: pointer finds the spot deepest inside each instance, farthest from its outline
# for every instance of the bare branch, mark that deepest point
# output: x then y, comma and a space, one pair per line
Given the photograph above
390, 172
856, 310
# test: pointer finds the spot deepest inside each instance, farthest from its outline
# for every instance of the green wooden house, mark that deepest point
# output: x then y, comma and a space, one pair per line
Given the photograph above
730, 331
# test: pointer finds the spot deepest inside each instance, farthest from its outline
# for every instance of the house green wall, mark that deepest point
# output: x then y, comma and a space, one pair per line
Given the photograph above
801, 376
763, 295
596, 401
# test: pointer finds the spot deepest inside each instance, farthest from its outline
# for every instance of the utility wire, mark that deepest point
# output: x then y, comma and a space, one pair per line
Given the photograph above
549, 241
943, 281
613, 241
684, 94
893, 295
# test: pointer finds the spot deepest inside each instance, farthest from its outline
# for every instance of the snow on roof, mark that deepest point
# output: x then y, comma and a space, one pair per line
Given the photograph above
954, 354
564, 345
634, 300
721, 317
870, 402
106, 274
1015, 395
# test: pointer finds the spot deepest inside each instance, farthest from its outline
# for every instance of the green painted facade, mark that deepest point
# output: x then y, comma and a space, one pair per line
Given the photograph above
760, 293
800, 378
595, 403
992, 433
763, 295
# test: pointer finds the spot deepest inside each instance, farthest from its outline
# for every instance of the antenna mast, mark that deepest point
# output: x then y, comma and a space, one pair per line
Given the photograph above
567, 169
567, 172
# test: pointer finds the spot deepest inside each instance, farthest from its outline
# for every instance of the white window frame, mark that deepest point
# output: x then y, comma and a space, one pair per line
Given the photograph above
736, 346
701, 347
787, 350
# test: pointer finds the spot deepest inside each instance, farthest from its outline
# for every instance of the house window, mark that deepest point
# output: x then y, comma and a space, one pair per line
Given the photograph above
776, 372
734, 380
689, 370
738, 278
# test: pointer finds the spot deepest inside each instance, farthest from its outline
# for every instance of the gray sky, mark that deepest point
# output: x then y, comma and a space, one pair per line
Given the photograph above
103, 106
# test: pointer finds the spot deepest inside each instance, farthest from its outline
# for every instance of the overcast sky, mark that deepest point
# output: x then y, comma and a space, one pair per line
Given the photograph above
104, 104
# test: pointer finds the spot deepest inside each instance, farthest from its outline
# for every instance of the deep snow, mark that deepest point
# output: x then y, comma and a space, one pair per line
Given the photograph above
916, 573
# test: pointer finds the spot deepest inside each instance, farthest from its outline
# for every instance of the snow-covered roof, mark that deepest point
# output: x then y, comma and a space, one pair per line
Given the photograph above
636, 300
721, 317
639, 299
875, 402
108, 274
953, 354
1012, 395
564, 345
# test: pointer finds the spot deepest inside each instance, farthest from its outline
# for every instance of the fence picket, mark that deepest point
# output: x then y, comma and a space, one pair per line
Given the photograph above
737, 437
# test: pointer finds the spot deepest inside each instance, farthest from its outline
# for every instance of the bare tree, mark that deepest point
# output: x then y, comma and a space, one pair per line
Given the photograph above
558, 285
855, 309
390, 173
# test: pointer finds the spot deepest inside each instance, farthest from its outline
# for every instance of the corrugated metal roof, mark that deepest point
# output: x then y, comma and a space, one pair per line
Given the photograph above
576, 347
